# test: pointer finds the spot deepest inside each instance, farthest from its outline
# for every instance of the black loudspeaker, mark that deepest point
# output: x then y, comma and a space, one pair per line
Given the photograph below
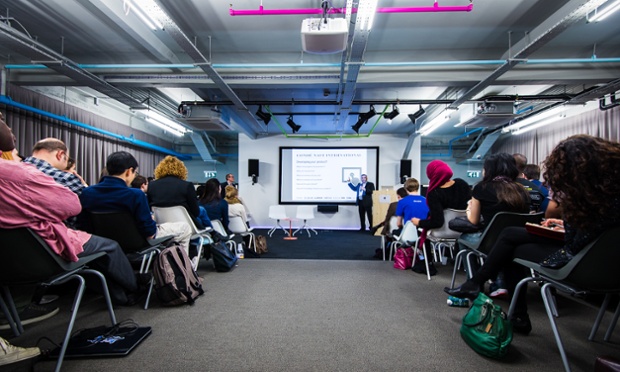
405, 168
252, 167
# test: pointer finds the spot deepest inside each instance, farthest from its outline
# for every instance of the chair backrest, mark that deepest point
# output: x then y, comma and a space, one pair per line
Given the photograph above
118, 226
236, 225
177, 213
409, 234
277, 212
499, 222
595, 267
444, 231
218, 227
393, 225
26, 258
305, 212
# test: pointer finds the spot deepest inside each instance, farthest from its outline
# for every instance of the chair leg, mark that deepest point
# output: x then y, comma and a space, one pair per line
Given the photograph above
11, 312
426, 258
383, 245
106, 293
599, 317
612, 325
546, 295
457, 262
518, 289
74, 309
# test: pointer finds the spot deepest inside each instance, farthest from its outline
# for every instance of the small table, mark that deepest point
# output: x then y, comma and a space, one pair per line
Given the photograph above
290, 230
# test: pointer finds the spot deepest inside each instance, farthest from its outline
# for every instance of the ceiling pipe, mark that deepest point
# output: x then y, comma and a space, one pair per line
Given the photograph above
9, 102
322, 65
436, 8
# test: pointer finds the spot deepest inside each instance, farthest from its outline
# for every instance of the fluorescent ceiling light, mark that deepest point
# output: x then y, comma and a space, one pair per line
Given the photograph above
532, 119
568, 112
600, 15
165, 127
366, 13
434, 124
147, 11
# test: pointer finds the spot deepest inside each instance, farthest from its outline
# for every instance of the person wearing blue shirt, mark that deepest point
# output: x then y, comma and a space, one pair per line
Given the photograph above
413, 205
114, 193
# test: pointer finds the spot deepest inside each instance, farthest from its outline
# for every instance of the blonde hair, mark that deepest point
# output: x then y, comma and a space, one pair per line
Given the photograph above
171, 166
231, 195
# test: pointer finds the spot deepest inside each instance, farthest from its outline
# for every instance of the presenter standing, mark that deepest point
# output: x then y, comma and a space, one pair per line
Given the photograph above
364, 191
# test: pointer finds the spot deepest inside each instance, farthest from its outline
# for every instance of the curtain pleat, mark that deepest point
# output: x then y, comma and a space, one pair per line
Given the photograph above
88, 148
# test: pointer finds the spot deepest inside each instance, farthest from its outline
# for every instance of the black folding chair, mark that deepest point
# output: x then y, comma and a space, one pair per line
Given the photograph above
27, 259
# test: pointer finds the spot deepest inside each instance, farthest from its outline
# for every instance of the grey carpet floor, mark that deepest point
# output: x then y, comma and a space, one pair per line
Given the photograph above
321, 315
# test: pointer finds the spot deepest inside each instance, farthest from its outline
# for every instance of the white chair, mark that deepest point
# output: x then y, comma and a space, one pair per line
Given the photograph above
237, 226
218, 227
407, 238
179, 214
277, 212
443, 237
305, 213
384, 237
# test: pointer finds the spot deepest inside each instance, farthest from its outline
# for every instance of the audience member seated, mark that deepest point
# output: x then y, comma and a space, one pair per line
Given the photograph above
536, 196
532, 174
391, 212
51, 156
114, 194
413, 205
442, 193
140, 182
215, 207
230, 181
170, 188
582, 172
71, 168
497, 192
37, 202
235, 206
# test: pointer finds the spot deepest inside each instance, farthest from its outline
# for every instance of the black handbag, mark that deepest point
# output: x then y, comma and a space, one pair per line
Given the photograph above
557, 259
462, 224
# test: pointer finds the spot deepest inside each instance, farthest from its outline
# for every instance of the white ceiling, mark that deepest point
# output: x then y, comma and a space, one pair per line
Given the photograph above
428, 58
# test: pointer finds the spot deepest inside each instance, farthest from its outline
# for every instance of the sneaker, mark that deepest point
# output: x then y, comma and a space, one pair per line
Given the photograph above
499, 293
13, 354
32, 314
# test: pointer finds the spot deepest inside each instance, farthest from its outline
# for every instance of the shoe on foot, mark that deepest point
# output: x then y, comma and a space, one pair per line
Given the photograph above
521, 324
466, 290
31, 314
499, 293
13, 354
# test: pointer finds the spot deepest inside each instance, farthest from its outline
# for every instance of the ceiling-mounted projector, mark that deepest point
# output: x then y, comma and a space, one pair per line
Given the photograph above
324, 36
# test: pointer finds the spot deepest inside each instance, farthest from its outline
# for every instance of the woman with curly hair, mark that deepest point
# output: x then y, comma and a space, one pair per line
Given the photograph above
170, 188
582, 171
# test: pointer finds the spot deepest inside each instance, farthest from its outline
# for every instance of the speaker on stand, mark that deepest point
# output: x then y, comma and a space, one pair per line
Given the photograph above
405, 169
253, 170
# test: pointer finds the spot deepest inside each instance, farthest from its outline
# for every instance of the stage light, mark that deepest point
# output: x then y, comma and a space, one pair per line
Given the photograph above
390, 116
416, 115
292, 124
263, 115
363, 119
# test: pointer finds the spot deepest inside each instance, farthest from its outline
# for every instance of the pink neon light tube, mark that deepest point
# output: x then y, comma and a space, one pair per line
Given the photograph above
418, 9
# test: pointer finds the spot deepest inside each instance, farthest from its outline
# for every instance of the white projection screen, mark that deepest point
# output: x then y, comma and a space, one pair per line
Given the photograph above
319, 175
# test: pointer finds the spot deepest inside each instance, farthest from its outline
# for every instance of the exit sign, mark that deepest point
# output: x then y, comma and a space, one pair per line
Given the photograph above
474, 174
210, 174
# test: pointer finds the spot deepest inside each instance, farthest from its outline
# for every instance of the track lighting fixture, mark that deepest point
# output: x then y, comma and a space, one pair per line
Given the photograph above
263, 115
390, 116
363, 119
292, 124
416, 115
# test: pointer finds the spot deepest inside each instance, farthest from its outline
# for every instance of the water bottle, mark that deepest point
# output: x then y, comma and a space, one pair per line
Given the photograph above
458, 302
240, 250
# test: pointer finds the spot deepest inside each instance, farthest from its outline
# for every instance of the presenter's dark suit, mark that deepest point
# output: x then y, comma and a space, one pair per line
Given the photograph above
364, 206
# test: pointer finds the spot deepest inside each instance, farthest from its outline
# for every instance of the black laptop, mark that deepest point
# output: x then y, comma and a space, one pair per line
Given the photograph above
104, 342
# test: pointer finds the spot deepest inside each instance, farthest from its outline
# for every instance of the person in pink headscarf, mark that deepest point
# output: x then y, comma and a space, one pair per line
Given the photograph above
443, 192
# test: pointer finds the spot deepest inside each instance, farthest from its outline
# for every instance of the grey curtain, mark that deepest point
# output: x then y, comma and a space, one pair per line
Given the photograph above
537, 144
90, 149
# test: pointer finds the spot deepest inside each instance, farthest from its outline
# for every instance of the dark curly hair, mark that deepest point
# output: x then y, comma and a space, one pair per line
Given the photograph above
584, 174
500, 173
